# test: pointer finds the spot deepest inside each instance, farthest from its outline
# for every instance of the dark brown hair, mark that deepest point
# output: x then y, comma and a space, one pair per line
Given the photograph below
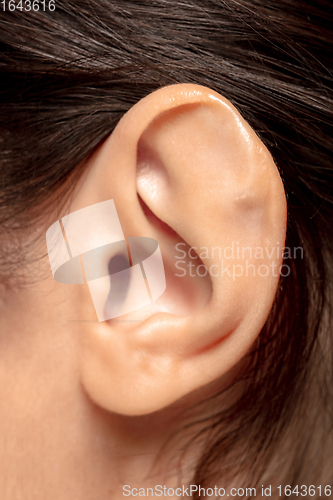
66, 79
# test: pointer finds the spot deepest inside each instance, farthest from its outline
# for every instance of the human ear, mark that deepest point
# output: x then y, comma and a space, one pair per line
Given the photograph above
184, 168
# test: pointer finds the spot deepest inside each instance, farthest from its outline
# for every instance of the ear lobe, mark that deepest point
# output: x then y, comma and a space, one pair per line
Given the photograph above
209, 184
